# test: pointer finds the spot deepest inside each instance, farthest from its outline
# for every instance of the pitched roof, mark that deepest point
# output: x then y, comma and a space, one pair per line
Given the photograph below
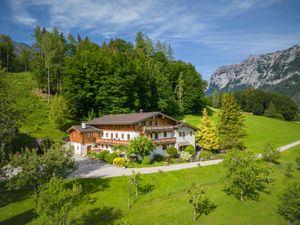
87, 128
130, 118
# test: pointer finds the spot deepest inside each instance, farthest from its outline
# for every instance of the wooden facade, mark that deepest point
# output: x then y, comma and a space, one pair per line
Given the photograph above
105, 132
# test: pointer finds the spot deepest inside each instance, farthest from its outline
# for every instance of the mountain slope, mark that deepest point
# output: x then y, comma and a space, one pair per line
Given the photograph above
277, 72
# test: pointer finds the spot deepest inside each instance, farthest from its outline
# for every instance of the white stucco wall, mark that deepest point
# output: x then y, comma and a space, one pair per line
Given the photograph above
187, 138
80, 149
107, 134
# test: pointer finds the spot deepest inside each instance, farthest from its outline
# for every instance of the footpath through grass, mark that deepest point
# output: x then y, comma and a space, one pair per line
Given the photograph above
260, 130
164, 199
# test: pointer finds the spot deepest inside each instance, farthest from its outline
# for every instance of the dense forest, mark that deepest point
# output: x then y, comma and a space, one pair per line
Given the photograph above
115, 77
121, 77
261, 102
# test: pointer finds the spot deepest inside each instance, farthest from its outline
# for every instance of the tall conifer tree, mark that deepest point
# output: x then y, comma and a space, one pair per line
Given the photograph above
207, 136
231, 126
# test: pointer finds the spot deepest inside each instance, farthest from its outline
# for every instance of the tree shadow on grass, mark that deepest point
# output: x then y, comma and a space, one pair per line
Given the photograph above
91, 185
144, 190
22, 218
207, 208
7, 197
104, 216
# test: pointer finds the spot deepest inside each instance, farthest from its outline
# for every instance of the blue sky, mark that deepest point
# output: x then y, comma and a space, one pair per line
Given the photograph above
207, 34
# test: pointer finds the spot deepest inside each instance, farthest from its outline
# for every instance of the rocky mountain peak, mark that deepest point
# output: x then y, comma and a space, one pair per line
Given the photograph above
257, 71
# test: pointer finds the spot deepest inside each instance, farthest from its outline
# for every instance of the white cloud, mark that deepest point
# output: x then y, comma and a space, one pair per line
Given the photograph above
21, 15
172, 21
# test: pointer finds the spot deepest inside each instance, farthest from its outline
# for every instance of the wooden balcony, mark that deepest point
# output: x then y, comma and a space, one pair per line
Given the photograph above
158, 128
164, 141
111, 142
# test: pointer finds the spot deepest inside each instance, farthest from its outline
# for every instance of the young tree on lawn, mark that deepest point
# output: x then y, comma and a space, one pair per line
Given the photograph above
135, 179
245, 176
201, 204
231, 126
140, 146
207, 136
59, 111
289, 203
35, 170
56, 203
270, 154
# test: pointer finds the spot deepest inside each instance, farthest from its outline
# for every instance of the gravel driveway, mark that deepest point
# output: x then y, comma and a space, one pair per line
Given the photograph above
91, 168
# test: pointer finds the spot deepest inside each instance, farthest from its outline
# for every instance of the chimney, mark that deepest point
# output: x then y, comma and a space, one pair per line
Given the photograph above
141, 110
83, 125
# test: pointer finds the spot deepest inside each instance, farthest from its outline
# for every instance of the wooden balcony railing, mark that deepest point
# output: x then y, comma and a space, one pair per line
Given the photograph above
111, 142
164, 141
158, 128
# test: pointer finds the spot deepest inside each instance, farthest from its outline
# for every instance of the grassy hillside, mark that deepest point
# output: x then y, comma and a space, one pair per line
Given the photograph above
260, 130
165, 202
35, 123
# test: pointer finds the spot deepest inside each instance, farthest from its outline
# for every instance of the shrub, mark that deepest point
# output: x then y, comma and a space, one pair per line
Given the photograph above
102, 154
205, 154
158, 158
110, 157
185, 156
146, 160
172, 151
190, 149
289, 203
119, 161
270, 153
92, 155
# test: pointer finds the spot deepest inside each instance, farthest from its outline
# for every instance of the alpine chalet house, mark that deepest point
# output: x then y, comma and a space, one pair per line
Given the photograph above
104, 132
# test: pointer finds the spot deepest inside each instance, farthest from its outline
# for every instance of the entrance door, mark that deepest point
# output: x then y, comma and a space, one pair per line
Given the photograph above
89, 149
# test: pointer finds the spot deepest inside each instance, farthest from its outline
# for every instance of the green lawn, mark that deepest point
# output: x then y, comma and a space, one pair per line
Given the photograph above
166, 203
260, 130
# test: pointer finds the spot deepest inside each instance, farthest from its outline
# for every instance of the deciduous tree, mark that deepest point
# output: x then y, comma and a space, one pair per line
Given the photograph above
56, 203
140, 146
289, 203
34, 170
201, 204
245, 176
216, 101
270, 153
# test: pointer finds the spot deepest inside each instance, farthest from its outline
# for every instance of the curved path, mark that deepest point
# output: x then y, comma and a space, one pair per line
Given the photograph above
91, 168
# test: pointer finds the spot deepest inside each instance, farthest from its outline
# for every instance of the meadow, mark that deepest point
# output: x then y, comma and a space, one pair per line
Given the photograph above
261, 130
163, 199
